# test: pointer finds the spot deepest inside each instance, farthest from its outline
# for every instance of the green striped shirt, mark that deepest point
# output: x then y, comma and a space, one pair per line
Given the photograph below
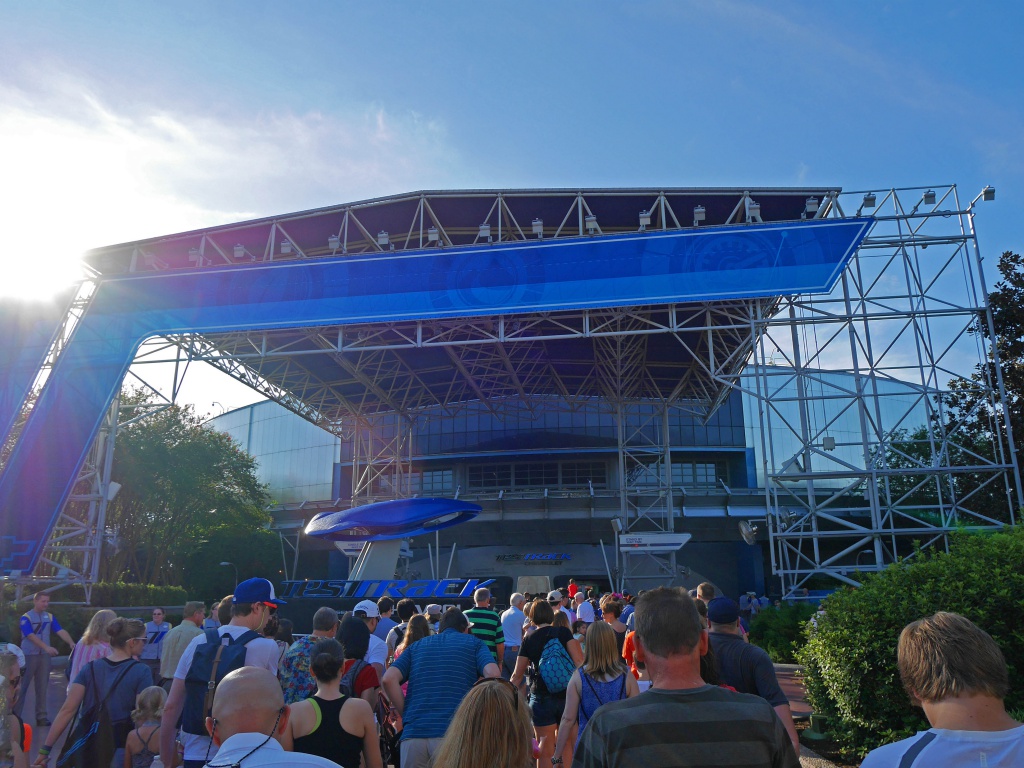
487, 626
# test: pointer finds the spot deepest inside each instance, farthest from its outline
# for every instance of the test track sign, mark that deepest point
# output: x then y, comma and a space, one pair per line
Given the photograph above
333, 589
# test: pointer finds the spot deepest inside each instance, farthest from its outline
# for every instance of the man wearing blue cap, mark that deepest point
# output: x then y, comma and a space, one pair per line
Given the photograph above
746, 667
253, 603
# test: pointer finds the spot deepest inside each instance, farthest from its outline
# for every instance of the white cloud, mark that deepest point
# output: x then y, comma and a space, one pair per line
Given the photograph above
80, 172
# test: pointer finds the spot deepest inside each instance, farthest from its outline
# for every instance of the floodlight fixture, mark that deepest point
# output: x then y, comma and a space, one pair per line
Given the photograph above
811, 206
334, 242
286, 246
485, 232
753, 211
383, 238
538, 228
194, 255
432, 235
591, 222
699, 214
988, 193
869, 200
929, 197
645, 220
112, 490
239, 251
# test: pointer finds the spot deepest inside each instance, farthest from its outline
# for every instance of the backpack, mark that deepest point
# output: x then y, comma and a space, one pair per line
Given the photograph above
348, 680
555, 667
96, 736
211, 662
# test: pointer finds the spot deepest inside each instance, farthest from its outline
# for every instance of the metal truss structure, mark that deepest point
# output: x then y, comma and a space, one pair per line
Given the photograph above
899, 321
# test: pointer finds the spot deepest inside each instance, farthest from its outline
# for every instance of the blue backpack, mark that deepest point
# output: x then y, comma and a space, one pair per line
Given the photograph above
555, 667
211, 662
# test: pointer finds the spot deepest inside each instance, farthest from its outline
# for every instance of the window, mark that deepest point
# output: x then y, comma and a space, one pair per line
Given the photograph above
577, 474
432, 482
536, 475
489, 476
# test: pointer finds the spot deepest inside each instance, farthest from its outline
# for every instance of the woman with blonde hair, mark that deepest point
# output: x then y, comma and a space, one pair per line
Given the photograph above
492, 728
93, 644
602, 678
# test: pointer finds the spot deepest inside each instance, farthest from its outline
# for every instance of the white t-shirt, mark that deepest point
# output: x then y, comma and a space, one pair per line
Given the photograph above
949, 749
261, 652
512, 627
377, 652
585, 612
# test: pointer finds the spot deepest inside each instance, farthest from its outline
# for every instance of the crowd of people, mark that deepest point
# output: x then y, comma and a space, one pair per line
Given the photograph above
665, 678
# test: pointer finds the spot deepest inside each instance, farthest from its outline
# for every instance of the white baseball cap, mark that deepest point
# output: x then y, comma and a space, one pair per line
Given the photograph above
368, 608
553, 595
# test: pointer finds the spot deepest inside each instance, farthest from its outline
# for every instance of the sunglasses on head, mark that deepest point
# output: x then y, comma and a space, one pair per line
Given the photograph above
502, 681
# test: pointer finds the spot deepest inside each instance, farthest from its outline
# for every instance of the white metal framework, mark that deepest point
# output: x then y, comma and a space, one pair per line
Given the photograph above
833, 503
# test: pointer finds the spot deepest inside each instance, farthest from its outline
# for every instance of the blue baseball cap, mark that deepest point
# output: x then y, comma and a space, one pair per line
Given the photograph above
722, 610
256, 591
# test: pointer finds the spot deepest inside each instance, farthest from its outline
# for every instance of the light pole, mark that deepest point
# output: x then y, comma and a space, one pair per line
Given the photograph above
236, 571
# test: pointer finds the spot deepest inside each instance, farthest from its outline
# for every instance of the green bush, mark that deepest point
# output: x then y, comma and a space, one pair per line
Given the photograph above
850, 659
121, 594
780, 631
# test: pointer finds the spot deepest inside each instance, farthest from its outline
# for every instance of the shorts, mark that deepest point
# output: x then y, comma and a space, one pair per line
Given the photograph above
546, 709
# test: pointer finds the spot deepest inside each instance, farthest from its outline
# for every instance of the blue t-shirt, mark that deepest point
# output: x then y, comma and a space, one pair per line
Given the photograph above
440, 669
135, 677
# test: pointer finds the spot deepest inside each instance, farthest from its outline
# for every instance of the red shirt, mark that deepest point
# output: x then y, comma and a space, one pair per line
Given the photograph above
573, 589
364, 680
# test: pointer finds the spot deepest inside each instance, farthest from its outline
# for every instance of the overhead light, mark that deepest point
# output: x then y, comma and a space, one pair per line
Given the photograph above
538, 227
699, 214
485, 232
645, 220
929, 197
334, 242
383, 238
753, 211
239, 251
811, 207
591, 223
286, 246
869, 200
432, 235
988, 193
194, 255
112, 489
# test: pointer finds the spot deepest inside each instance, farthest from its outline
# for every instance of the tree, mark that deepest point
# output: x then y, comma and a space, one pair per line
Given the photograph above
183, 484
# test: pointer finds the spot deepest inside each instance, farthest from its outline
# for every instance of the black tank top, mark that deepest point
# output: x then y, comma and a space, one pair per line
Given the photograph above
329, 739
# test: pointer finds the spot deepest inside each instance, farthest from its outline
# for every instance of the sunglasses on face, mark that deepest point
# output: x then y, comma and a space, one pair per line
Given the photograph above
500, 681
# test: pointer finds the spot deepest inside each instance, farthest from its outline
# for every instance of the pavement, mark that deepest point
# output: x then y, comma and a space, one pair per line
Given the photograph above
56, 692
792, 684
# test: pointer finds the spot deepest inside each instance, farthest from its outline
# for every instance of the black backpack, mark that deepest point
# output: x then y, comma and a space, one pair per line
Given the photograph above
348, 680
213, 659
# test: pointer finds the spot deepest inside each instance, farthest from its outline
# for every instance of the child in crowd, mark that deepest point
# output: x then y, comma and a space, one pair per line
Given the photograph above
142, 749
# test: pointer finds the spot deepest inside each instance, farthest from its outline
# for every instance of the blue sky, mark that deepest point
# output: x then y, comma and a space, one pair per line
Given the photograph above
121, 120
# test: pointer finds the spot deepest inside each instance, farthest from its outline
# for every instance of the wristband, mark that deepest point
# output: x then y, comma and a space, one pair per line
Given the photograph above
44, 750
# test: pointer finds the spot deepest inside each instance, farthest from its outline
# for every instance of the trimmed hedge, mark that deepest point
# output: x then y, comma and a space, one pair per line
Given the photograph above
120, 593
780, 631
850, 659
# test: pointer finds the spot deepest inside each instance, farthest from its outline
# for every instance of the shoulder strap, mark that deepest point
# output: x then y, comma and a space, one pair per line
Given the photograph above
117, 680
247, 637
916, 748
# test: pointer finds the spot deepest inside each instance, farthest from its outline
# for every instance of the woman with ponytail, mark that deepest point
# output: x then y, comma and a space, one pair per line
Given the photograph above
330, 724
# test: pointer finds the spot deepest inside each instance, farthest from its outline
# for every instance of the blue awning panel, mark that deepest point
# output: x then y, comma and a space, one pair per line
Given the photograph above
640, 269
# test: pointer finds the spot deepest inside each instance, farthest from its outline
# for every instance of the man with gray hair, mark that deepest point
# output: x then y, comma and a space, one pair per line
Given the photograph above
177, 640
485, 623
296, 680
681, 721
512, 622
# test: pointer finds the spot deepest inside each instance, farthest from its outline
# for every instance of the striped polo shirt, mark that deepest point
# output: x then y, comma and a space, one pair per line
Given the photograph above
486, 624
440, 669
705, 727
